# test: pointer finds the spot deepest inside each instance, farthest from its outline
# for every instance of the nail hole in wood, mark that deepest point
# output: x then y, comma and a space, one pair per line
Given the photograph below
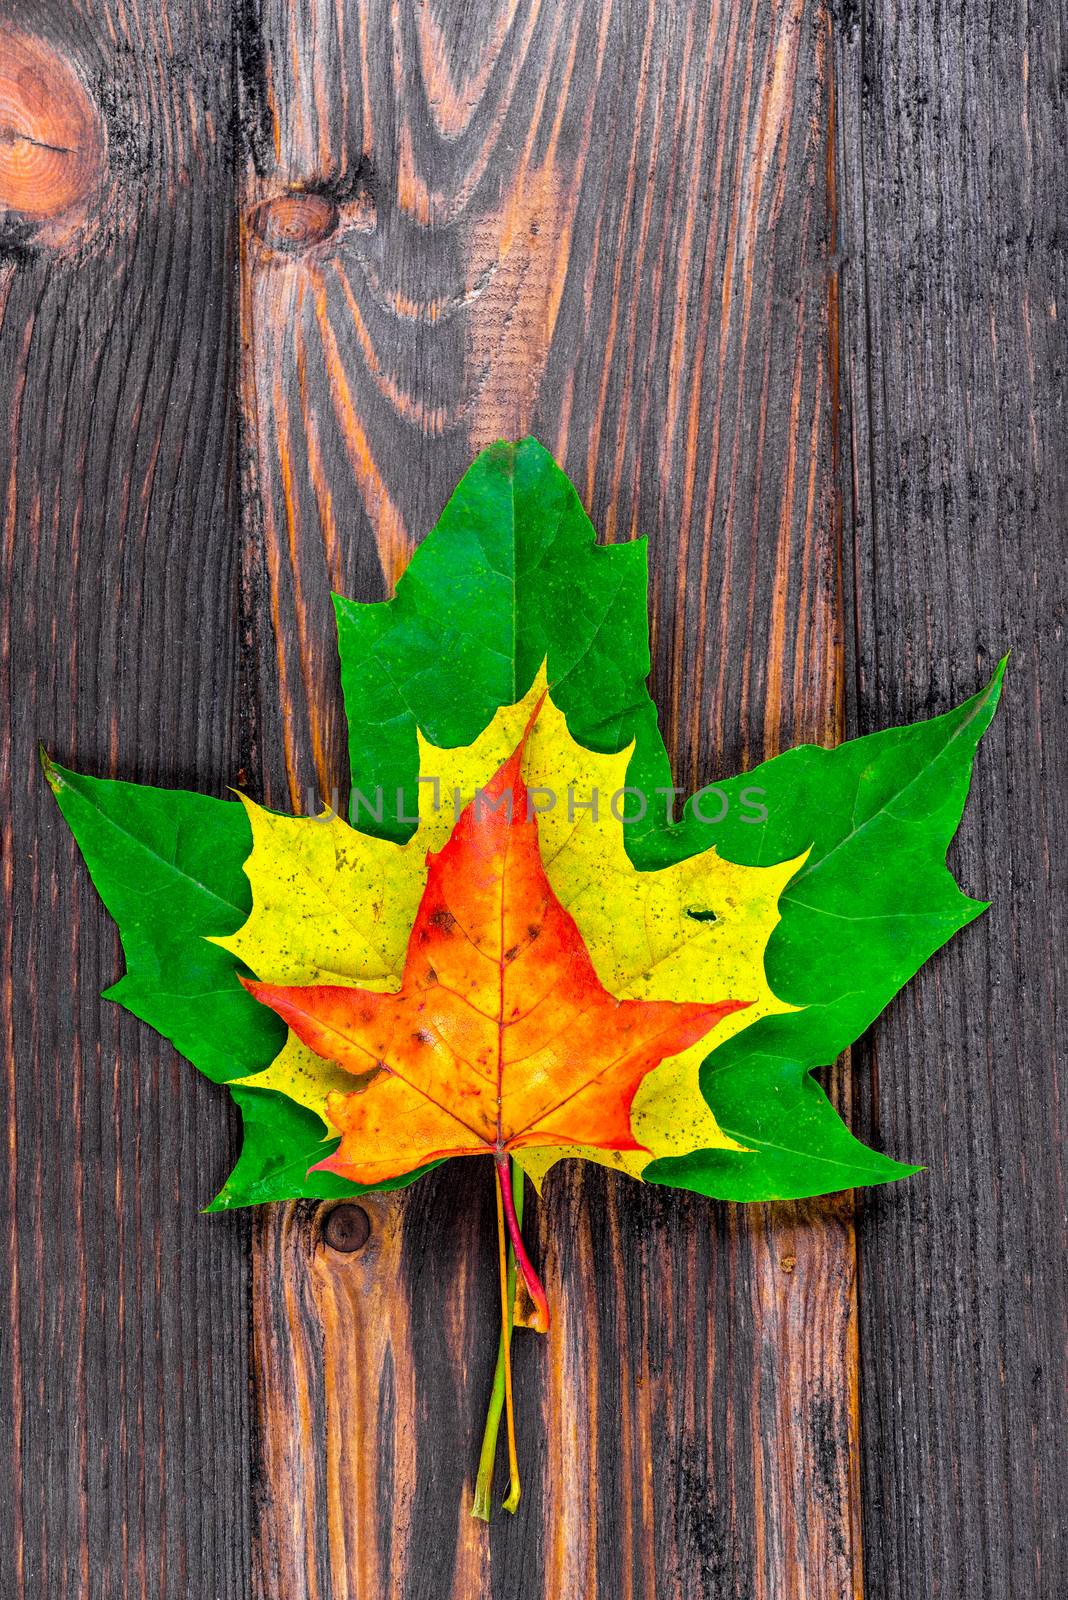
347, 1228
293, 222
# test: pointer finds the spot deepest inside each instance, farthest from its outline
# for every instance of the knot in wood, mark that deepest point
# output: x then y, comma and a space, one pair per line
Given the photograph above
292, 222
52, 144
347, 1228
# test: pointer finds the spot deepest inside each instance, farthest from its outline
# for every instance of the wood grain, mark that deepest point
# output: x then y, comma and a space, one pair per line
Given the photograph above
123, 1354
956, 284
782, 284
614, 226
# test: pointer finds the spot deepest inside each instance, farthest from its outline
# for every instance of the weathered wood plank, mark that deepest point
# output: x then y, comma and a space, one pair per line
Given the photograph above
612, 225
123, 1355
956, 278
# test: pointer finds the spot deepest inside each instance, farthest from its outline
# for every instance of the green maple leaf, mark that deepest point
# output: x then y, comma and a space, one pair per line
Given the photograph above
512, 576
169, 866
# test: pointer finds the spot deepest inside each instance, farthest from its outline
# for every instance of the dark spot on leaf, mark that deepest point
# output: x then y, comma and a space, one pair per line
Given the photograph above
533, 930
443, 919
524, 1304
511, 953
702, 916
423, 1036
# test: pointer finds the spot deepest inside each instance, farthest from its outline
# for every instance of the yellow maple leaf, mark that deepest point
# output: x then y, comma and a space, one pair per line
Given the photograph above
333, 905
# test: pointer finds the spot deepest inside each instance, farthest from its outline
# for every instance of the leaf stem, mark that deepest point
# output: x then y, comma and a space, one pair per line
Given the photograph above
509, 1209
483, 1500
511, 1501
534, 1311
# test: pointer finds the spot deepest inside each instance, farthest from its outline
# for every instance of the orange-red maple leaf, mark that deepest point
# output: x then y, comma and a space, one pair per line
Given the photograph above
501, 1034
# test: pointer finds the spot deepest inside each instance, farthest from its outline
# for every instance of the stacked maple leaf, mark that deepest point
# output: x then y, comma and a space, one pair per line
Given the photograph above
501, 1036
546, 963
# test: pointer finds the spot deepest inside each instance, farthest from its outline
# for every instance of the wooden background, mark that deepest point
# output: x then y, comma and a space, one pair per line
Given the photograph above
779, 282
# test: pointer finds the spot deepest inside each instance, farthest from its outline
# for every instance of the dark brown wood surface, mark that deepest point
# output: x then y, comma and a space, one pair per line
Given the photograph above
124, 1364
610, 225
956, 283
779, 286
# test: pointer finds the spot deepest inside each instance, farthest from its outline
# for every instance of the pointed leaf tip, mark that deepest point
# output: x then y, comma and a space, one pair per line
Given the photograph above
49, 768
